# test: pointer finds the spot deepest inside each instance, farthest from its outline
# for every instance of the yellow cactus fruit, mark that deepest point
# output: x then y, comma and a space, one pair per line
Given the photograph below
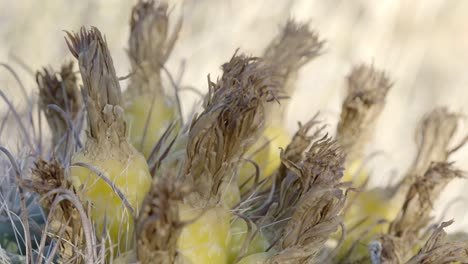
149, 110
205, 240
107, 153
147, 120
239, 232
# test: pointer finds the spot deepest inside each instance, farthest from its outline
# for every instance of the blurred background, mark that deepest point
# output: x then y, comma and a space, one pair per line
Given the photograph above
422, 44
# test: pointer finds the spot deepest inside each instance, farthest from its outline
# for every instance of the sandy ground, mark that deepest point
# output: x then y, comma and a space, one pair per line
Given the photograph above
422, 44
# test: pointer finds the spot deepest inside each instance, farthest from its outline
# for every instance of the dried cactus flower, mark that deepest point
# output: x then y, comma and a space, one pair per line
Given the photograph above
433, 137
232, 120
295, 46
149, 111
438, 250
367, 89
49, 181
112, 175
61, 89
375, 205
312, 200
159, 225
406, 229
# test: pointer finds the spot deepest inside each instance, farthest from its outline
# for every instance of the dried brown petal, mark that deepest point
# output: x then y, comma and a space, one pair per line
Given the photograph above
61, 89
311, 198
149, 45
101, 90
405, 231
49, 176
295, 46
420, 199
159, 226
365, 99
433, 136
315, 218
233, 118
438, 250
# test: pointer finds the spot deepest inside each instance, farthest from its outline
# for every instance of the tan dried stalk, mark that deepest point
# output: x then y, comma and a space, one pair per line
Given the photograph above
47, 178
367, 89
233, 118
295, 46
150, 46
405, 230
102, 96
59, 88
158, 227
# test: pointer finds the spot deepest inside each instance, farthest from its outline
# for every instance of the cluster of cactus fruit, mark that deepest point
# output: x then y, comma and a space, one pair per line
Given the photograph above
230, 185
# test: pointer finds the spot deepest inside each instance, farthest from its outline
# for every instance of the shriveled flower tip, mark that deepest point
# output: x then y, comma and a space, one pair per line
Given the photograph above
101, 88
310, 200
438, 250
323, 164
408, 228
300, 142
97, 69
149, 23
246, 82
150, 45
159, 226
365, 99
233, 118
315, 218
433, 136
421, 196
48, 175
60, 89
293, 47
59, 198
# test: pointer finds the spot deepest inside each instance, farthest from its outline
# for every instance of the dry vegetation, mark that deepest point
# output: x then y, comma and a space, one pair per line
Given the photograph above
125, 178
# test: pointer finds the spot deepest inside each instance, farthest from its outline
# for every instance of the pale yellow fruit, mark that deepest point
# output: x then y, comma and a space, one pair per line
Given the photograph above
131, 177
205, 240
161, 113
267, 156
239, 233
